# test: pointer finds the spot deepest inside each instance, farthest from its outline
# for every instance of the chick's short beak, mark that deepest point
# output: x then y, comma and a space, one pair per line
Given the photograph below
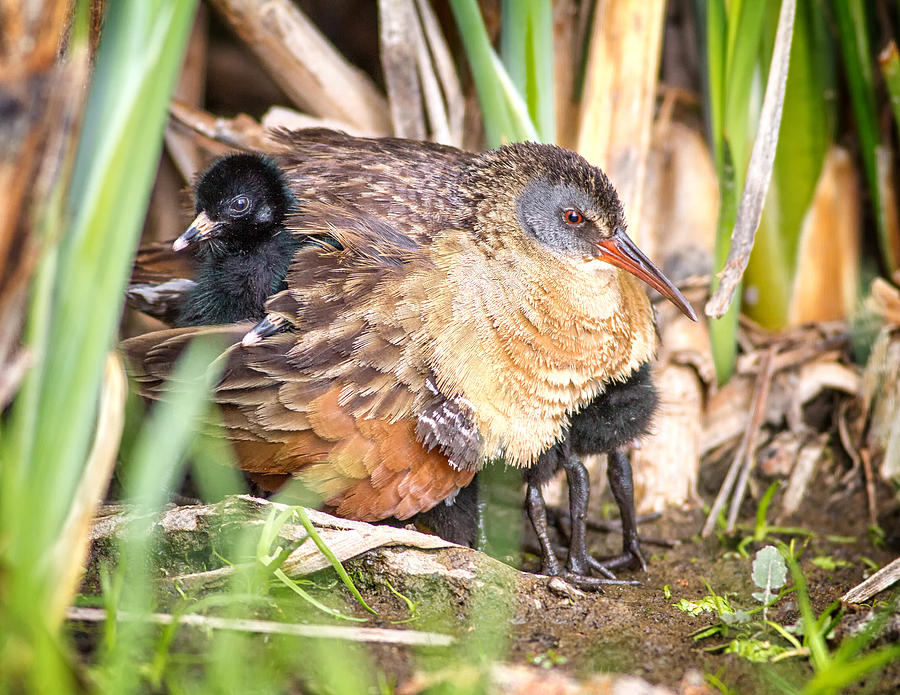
201, 228
270, 325
621, 251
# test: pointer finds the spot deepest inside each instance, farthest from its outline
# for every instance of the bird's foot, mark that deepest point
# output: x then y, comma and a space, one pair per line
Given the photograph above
578, 574
630, 558
591, 583
585, 581
581, 569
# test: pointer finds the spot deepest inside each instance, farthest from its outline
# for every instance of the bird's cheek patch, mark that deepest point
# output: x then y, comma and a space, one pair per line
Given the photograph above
593, 265
264, 215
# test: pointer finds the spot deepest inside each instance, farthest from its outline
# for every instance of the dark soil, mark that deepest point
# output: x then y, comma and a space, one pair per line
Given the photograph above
638, 630
505, 615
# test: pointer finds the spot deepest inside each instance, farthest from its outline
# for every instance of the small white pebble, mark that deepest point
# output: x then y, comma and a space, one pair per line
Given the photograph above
559, 586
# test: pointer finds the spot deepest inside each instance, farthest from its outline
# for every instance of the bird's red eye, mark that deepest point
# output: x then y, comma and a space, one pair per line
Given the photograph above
573, 217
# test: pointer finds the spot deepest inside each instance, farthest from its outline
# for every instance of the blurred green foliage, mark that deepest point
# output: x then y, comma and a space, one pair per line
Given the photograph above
89, 231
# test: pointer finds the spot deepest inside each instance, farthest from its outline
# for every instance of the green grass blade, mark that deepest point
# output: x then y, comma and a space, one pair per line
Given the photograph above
733, 36
856, 55
732, 33
543, 99
856, 644
157, 461
502, 122
723, 331
889, 61
23, 416
88, 234
16, 445
332, 558
712, 17
746, 22
297, 589
769, 278
806, 133
515, 18
497, 122
516, 107
171, 427
541, 89
139, 57
748, 37
526, 46
807, 123
836, 677
812, 638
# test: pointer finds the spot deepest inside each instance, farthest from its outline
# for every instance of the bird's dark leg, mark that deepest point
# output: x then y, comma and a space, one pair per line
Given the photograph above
579, 562
618, 472
537, 513
579, 496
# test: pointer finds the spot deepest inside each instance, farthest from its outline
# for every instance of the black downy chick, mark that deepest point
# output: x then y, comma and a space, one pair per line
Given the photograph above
241, 204
607, 425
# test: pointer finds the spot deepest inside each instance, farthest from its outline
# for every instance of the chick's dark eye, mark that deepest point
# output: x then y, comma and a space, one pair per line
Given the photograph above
573, 217
240, 204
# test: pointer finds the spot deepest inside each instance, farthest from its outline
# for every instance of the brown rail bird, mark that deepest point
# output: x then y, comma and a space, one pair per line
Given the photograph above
476, 303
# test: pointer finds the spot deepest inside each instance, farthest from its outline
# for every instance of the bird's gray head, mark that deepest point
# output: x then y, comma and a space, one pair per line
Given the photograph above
568, 207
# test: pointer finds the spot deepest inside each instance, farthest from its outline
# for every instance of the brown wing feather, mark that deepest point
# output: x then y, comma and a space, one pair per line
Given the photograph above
409, 183
151, 356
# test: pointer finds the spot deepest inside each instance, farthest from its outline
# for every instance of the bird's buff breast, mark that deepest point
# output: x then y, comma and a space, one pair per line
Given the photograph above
528, 341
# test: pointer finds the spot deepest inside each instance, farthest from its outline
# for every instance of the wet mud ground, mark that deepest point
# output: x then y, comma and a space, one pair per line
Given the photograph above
637, 630
497, 614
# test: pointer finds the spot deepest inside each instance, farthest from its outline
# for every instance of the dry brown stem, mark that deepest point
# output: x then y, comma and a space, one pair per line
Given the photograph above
759, 171
305, 65
878, 582
41, 97
744, 459
619, 96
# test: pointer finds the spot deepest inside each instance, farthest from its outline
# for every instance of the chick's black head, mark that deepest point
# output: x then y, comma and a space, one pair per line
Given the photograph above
240, 201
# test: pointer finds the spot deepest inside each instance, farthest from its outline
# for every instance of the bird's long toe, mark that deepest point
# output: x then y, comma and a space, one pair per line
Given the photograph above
591, 583
633, 558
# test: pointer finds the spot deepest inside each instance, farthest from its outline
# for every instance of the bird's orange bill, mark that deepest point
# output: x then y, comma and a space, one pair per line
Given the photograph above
201, 228
621, 251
